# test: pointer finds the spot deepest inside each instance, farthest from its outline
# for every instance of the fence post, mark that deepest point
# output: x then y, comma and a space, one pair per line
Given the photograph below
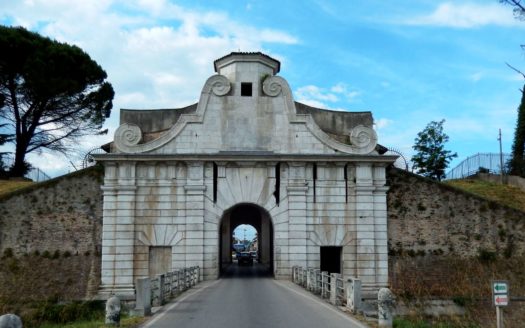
333, 288
305, 277
308, 279
198, 274
353, 294
324, 283
161, 278
317, 281
167, 282
143, 297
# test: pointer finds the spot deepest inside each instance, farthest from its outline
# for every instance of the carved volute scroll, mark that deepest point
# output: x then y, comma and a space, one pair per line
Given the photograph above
220, 85
363, 138
272, 86
127, 135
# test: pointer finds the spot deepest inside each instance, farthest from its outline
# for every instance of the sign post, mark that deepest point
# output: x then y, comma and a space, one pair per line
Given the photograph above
500, 298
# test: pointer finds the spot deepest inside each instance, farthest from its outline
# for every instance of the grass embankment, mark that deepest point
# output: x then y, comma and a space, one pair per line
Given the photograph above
504, 194
124, 323
467, 282
7, 186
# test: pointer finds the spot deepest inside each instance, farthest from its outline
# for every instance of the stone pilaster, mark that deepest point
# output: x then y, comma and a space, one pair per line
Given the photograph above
118, 235
365, 225
195, 193
380, 229
297, 188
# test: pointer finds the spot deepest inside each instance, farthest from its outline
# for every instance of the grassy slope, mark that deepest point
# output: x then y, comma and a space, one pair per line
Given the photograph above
7, 186
504, 194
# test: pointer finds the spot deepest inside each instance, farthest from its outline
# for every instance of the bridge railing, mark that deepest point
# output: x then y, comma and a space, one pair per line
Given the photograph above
332, 286
159, 290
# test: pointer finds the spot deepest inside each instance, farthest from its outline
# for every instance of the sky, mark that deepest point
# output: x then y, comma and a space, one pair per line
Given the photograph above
409, 62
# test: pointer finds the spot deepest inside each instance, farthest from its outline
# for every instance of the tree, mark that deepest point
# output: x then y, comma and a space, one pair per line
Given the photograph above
53, 93
516, 164
431, 158
518, 7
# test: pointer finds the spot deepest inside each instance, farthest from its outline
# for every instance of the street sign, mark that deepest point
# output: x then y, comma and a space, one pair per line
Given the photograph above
500, 292
500, 287
501, 300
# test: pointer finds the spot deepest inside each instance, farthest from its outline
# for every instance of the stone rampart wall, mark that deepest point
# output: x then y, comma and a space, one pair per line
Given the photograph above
57, 223
428, 218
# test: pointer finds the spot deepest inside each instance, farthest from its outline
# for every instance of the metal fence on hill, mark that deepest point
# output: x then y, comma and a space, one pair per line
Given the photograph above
489, 162
35, 174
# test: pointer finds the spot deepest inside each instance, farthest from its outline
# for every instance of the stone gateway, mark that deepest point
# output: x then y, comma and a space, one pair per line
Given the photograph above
179, 181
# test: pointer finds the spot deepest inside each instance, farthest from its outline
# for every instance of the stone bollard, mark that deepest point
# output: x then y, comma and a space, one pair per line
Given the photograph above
385, 307
113, 311
308, 279
162, 281
353, 294
333, 288
317, 281
143, 299
10, 321
324, 283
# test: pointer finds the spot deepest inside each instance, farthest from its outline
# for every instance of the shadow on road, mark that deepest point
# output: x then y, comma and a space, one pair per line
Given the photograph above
256, 270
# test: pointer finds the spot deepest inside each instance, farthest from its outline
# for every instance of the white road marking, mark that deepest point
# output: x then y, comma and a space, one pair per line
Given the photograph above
325, 305
177, 302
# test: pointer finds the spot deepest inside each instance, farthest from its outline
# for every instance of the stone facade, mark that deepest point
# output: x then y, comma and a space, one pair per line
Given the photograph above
306, 178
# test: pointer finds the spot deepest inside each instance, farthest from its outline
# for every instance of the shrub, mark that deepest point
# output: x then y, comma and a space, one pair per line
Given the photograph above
486, 256
8, 252
56, 255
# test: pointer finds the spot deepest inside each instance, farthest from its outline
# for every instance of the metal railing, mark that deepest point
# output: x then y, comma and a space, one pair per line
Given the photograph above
332, 286
159, 290
35, 174
489, 162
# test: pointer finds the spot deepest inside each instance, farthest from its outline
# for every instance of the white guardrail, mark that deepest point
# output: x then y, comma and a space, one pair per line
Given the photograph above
331, 286
159, 290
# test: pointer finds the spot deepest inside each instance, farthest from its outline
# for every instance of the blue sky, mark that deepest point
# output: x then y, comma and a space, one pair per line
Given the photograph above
409, 62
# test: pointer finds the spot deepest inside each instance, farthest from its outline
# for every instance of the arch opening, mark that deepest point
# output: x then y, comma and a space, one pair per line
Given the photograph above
259, 240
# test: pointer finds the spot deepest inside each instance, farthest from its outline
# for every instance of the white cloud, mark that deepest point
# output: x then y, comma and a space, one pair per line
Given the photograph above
325, 98
466, 15
382, 123
476, 76
157, 54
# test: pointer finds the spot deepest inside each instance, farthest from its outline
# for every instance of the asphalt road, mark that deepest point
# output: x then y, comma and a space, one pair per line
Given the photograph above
246, 297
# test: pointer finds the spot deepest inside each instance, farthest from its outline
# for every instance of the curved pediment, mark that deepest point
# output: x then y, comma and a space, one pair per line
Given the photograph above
248, 109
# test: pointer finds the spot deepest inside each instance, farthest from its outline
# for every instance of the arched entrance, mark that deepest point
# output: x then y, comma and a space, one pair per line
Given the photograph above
258, 218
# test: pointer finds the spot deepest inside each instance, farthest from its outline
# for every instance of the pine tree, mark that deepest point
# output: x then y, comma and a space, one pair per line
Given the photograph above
431, 158
516, 164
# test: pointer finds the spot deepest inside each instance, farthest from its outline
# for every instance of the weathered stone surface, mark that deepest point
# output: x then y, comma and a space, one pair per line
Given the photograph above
427, 218
245, 155
113, 311
53, 230
10, 321
385, 307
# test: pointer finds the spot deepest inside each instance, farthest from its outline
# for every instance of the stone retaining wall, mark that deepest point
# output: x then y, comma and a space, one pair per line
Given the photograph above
54, 227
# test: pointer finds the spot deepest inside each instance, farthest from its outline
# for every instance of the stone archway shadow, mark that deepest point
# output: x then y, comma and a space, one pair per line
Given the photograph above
259, 218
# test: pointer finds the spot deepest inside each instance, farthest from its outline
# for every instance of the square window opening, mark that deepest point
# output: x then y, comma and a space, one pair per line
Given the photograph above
331, 259
246, 89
